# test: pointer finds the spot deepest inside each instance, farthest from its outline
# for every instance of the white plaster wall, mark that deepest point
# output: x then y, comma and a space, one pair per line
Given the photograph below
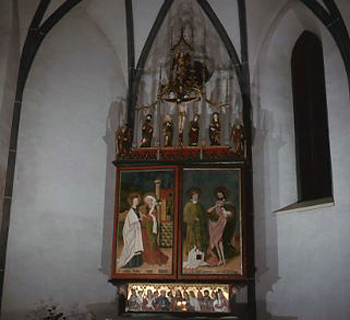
57, 218
260, 19
144, 14
227, 12
301, 256
109, 17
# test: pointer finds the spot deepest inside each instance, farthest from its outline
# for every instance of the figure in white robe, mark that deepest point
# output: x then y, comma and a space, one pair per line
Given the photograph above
132, 237
194, 302
221, 303
195, 259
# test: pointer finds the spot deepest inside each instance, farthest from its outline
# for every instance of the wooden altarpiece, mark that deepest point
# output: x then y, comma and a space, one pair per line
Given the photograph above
183, 230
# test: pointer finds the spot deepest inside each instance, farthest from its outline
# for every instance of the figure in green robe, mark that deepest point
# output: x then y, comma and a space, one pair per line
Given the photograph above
196, 221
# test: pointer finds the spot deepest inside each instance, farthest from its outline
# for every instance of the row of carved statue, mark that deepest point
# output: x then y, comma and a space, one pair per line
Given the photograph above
124, 137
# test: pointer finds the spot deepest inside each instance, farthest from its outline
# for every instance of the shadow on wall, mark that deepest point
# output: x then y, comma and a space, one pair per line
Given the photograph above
266, 244
49, 309
267, 141
273, 141
116, 117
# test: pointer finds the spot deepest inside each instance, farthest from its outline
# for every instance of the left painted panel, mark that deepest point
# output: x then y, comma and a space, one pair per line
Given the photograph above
145, 224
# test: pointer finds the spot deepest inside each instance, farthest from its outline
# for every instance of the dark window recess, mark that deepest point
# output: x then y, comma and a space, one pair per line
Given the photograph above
310, 119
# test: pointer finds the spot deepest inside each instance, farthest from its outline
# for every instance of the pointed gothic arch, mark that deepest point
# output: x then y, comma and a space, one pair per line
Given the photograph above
313, 160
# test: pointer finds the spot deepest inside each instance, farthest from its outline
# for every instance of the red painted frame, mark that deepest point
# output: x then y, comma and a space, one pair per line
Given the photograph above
133, 276
219, 277
177, 247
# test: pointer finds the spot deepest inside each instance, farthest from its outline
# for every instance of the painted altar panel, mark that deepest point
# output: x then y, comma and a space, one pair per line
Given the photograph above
211, 223
145, 226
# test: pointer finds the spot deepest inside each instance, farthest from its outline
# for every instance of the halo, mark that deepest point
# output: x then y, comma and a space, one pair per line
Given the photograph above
192, 190
221, 189
133, 195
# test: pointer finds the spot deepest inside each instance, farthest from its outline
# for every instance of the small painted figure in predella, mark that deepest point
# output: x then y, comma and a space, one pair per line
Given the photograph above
147, 132
194, 131
237, 135
168, 130
123, 140
215, 130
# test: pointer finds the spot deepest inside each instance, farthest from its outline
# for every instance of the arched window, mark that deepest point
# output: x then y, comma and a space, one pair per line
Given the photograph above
314, 176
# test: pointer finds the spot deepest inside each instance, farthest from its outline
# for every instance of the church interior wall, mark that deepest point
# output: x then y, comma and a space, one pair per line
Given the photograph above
300, 255
55, 244
144, 14
228, 13
75, 97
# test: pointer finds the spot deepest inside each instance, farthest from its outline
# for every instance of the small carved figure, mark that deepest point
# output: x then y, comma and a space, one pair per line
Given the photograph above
207, 304
162, 303
123, 139
147, 132
194, 131
178, 306
220, 304
233, 299
171, 299
182, 119
134, 302
168, 129
215, 130
237, 135
148, 301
